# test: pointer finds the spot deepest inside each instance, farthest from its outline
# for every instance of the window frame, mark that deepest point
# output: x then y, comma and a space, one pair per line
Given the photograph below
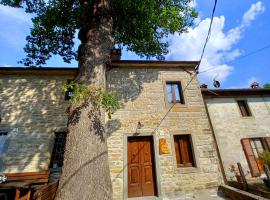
177, 152
53, 155
5, 133
252, 159
246, 107
182, 101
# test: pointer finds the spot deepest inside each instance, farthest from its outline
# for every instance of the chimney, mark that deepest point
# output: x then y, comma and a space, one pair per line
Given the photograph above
115, 54
203, 86
255, 85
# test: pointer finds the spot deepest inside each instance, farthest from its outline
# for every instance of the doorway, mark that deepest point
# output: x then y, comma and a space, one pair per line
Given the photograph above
141, 167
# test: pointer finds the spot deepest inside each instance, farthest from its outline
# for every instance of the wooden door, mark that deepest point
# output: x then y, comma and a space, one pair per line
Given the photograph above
141, 173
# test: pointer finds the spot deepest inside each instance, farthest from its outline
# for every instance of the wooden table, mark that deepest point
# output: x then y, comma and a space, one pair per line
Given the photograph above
21, 181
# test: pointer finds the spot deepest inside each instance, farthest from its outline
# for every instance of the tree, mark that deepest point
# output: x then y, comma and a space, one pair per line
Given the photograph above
138, 25
266, 85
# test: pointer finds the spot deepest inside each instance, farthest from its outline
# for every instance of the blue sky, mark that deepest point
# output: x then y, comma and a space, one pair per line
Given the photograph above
239, 27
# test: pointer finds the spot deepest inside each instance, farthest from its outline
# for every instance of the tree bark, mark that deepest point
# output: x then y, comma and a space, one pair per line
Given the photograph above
85, 172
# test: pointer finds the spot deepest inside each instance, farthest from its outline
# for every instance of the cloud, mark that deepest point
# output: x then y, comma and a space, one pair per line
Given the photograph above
220, 48
15, 13
193, 3
253, 11
5, 65
247, 83
15, 25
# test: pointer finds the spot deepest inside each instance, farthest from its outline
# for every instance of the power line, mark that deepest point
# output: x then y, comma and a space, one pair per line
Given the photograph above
169, 110
239, 58
208, 36
196, 68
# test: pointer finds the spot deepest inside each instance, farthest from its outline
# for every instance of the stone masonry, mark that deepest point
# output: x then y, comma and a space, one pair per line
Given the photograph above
142, 93
230, 127
33, 108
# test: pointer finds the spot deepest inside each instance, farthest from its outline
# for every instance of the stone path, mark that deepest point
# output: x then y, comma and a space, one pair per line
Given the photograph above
201, 195
210, 194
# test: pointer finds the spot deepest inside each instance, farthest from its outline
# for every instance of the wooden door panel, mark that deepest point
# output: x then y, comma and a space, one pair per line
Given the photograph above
134, 171
135, 175
148, 175
141, 180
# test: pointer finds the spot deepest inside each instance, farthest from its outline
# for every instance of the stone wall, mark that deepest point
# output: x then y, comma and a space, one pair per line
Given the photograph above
229, 126
32, 109
142, 95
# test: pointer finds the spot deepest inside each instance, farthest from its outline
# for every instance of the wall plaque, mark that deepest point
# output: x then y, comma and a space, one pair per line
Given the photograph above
163, 146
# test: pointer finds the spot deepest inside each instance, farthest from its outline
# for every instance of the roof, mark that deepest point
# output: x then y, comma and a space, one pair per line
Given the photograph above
227, 93
114, 64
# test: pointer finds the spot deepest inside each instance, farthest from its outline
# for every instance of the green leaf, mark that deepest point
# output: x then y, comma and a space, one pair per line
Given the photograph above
139, 25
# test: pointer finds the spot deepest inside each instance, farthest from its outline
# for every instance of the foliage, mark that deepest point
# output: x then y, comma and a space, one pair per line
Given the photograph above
140, 26
265, 156
80, 92
266, 85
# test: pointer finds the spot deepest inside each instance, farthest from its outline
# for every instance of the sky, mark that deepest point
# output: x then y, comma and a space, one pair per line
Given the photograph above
239, 28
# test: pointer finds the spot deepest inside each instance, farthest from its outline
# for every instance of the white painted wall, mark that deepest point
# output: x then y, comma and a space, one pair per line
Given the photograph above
229, 126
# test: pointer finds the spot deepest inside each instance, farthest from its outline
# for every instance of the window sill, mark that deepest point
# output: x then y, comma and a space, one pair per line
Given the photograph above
177, 105
187, 170
247, 117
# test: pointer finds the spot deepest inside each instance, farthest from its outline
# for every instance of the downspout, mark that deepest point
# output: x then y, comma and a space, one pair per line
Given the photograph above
215, 143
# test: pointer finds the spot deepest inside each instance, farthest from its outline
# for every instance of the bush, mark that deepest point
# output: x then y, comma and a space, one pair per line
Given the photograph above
265, 156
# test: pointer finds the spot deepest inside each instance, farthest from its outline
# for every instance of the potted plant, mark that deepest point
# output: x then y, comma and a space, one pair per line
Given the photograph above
265, 158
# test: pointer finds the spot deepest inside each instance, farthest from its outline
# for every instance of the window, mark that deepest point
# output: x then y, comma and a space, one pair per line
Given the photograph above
244, 109
58, 149
183, 151
174, 92
253, 147
3, 138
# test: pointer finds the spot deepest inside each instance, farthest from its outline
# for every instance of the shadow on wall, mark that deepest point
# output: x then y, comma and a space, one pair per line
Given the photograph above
32, 108
127, 84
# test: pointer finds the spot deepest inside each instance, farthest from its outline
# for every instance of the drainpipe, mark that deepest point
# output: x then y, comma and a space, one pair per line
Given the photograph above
215, 143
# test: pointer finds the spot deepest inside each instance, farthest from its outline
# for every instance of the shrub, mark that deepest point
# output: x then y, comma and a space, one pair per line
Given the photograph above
265, 156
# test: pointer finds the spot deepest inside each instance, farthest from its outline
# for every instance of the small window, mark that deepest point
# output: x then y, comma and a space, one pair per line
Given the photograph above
58, 149
174, 92
3, 138
183, 151
69, 92
244, 109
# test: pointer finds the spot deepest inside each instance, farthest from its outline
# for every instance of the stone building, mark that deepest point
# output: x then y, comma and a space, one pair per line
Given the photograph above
160, 141
241, 123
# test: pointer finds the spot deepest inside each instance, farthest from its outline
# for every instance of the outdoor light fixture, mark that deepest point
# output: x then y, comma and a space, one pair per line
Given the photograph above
139, 125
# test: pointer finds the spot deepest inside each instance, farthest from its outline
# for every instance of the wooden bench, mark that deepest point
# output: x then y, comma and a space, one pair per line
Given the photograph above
24, 180
45, 192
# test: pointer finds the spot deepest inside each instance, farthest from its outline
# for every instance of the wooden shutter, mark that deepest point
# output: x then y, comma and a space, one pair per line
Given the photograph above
242, 108
267, 141
186, 150
177, 151
254, 169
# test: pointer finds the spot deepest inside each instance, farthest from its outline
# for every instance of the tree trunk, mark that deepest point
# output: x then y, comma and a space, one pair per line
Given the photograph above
86, 168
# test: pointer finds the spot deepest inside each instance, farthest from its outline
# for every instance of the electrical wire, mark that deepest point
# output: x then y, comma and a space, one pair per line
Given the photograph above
196, 68
208, 36
239, 58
